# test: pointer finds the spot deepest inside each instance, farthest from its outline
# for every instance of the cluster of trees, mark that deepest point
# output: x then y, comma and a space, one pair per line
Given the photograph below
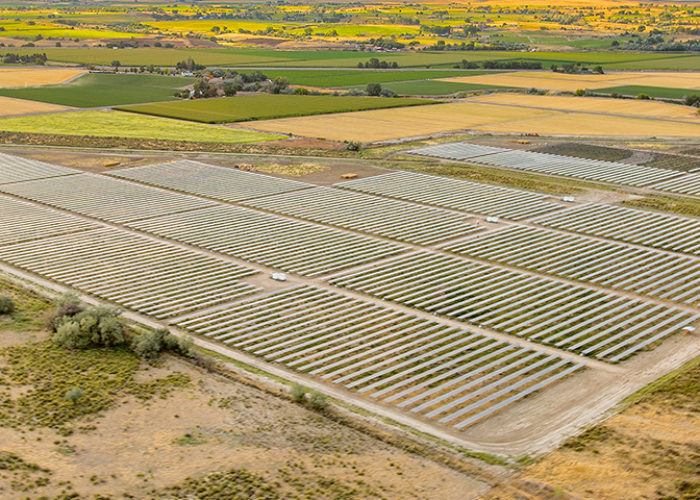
497, 45
233, 82
572, 68
189, 65
376, 63
514, 64
10, 58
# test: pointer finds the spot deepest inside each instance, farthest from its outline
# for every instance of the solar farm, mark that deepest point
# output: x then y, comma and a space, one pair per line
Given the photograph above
445, 301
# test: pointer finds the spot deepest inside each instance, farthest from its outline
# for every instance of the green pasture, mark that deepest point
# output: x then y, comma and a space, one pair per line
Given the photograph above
663, 92
428, 87
347, 78
107, 123
103, 89
265, 106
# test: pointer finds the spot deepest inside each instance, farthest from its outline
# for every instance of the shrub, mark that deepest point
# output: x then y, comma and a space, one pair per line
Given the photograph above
66, 306
75, 394
150, 344
298, 393
301, 91
318, 401
353, 146
96, 327
387, 93
643, 96
374, 89
580, 92
7, 305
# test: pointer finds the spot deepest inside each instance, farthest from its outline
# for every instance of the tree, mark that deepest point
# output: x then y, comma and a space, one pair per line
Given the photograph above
116, 65
7, 305
96, 327
278, 85
374, 89
203, 88
150, 344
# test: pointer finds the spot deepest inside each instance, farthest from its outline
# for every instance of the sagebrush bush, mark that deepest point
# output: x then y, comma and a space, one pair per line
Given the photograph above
7, 305
318, 401
298, 393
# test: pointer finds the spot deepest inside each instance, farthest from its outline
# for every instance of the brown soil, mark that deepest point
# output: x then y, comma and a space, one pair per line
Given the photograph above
214, 425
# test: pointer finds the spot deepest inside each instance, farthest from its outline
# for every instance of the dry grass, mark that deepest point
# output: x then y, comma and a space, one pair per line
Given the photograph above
30, 77
596, 105
296, 170
12, 107
584, 124
377, 125
562, 81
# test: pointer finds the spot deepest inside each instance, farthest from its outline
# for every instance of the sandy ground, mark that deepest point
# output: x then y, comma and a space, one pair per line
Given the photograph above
137, 446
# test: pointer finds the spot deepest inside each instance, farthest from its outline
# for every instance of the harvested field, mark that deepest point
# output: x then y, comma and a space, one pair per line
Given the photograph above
562, 81
629, 107
376, 125
12, 107
30, 77
584, 124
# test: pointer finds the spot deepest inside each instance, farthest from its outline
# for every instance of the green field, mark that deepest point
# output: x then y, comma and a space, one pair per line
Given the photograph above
102, 89
664, 92
346, 78
349, 59
429, 87
98, 123
265, 106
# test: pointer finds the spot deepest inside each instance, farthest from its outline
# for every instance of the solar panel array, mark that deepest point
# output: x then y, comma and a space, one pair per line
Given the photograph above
370, 214
687, 184
668, 232
436, 370
650, 272
457, 150
16, 169
221, 183
136, 272
572, 317
582, 168
271, 240
455, 194
23, 221
104, 198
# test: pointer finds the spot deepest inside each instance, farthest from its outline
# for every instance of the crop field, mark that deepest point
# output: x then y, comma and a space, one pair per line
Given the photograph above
102, 89
30, 77
220, 183
12, 107
265, 106
347, 78
635, 90
629, 107
571, 317
436, 87
135, 272
431, 369
282, 243
17, 169
656, 230
37, 222
369, 214
581, 168
571, 82
648, 272
104, 198
589, 124
687, 184
455, 194
129, 125
377, 125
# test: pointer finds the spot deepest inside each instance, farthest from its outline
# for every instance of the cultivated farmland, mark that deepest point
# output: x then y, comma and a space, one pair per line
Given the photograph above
432, 369
129, 125
100, 89
582, 320
11, 107
274, 241
266, 106
370, 214
29, 77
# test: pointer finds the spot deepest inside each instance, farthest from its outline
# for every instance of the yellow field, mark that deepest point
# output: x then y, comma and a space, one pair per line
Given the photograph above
377, 125
10, 107
645, 109
562, 81
596, 125
26, 77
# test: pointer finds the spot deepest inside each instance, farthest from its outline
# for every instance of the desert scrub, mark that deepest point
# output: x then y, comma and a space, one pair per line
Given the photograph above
21, 475
7, 305
50, 371
29, 308
234, 483
666, 203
